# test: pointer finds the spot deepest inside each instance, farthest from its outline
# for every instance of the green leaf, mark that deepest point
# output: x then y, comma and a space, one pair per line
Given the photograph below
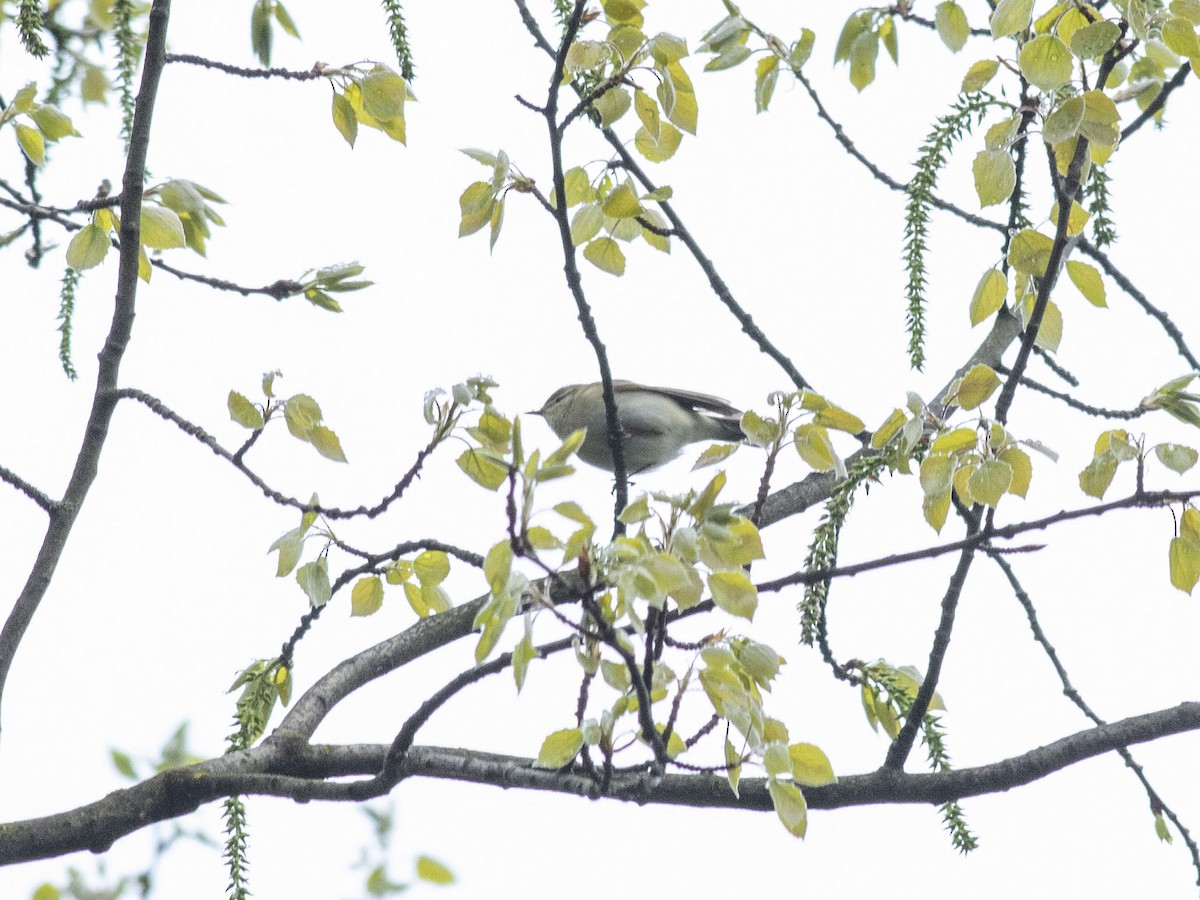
429, 869
979, 75
260, 31
1094, 40
995, 176
123, 764
990, 481
383, 94
344, 119
765, 75
802, 49
285, 21
1180, 36
32, 144
313, 579
855, 25
245, 413
790, 806
1011, 16
734, 592
989, 295
559, 749
955, 441
612, 105
1046, 62
606, 255
952, 25
1063, 124
366, 597
863, 53
1176, 457
1022, 469
87, 248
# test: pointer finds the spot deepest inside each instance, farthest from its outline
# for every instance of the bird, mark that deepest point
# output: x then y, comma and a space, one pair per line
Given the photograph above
656, 422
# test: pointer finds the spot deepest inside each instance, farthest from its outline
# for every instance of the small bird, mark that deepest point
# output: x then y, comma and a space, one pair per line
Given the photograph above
657, 423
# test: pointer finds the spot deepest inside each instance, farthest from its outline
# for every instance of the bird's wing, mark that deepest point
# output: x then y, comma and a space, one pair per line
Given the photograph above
688, 399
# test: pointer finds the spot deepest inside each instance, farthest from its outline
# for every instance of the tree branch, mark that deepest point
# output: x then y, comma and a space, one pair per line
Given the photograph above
62, 519
288, 767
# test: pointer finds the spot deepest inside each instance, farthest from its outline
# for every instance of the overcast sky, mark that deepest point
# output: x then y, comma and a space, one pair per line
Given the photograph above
166, 590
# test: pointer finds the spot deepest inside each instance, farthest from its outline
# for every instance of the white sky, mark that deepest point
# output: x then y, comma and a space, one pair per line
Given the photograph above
166, 591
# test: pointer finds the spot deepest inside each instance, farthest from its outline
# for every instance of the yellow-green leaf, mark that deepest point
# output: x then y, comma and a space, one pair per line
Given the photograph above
33, 145
429, 869
245, 413
765, 75
432, 566
483, 467
559, 749
344, 119
813, 444
612, 105
1087, 279
87, 248
995, 176
810, 765
1176, 457
661, 147
790, 806
734, 592
1063, 124
952, 25
837, 418
1184, 564
889, 429
366, 597
1022, 469
606, 255
621, 203
326, 443
955, 441
1100, 120
976, 386
1095, 479
161, 228
863, 53
1029, 251
1011, 16
1046, 62
989, 295
990, 481
979, 75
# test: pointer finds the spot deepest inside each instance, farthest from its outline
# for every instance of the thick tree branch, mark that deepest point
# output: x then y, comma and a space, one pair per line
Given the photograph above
287, 767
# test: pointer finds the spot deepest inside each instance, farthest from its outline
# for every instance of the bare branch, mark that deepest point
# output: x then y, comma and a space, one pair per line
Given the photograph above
27, 489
